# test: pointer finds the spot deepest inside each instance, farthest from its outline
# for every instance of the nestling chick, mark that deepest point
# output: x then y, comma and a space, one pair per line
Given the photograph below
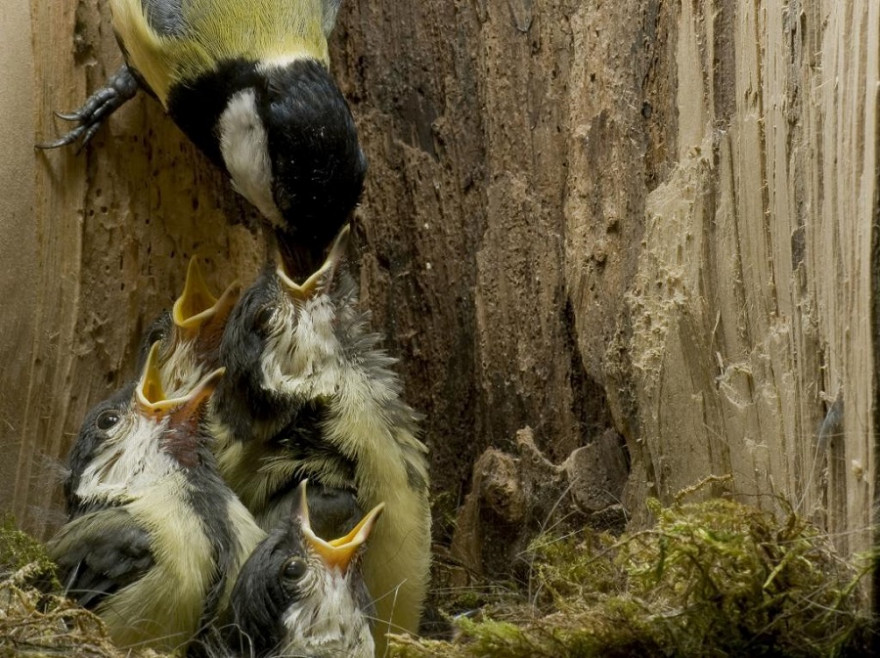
189, 336
298, 595
309, 394
248, 82
155, 537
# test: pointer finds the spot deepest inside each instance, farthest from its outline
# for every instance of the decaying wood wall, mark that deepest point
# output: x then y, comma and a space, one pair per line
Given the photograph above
751, 310
642, 217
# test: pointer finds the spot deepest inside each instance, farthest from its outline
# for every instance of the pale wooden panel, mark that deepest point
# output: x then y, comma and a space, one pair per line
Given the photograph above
18, 234
751, 310
843, 249
110, 233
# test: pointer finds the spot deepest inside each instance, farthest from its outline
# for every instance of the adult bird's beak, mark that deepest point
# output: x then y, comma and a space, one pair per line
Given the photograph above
336, 553
197, 306
320, 280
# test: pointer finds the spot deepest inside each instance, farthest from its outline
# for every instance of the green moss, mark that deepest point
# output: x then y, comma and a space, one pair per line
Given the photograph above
35, 622
575, 568
732, 577
710, 579
19, 552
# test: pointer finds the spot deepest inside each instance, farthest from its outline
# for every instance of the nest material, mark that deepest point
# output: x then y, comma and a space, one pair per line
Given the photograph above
34, 624
710, 579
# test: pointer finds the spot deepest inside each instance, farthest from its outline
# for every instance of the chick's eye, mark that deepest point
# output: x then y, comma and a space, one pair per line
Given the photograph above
264, 317
156, 335
107, 419
294, 569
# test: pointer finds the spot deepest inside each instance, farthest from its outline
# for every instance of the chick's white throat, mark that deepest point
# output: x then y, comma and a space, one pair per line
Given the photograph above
126, 463
328, 622
302, 354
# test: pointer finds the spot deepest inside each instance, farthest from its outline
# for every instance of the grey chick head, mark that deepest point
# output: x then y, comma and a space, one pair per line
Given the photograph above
301, 595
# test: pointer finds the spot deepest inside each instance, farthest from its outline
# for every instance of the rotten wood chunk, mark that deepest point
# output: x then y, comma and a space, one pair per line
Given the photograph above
514, 498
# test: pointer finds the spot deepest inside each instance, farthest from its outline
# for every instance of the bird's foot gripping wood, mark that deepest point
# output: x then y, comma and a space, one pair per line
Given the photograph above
120, 88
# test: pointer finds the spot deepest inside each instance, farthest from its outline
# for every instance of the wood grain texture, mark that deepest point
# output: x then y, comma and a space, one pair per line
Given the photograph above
18, 234
462, 108
653, 217
752, 308
114, 227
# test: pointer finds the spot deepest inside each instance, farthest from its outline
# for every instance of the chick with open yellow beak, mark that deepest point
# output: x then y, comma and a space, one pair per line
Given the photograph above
299, 595
155, 537
310, 394
189, 335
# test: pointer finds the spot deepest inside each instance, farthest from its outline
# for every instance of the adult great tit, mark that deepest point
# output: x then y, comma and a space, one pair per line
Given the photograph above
308, 394
248, 82
155, 538
299, 595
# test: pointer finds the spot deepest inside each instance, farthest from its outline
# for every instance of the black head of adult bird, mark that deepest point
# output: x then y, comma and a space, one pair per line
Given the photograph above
189, 335
155, 538
299, 595
308, 393
248, 82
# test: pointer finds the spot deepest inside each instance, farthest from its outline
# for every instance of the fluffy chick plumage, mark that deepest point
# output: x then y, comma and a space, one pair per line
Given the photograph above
305, 365
155, 538
299, 595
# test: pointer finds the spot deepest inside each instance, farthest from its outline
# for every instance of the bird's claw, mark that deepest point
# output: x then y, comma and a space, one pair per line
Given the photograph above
64, 140
121, 87
68, 116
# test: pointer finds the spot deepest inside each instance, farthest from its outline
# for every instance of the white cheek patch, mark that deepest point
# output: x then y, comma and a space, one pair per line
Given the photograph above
244, 145
305, 361
125, 464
